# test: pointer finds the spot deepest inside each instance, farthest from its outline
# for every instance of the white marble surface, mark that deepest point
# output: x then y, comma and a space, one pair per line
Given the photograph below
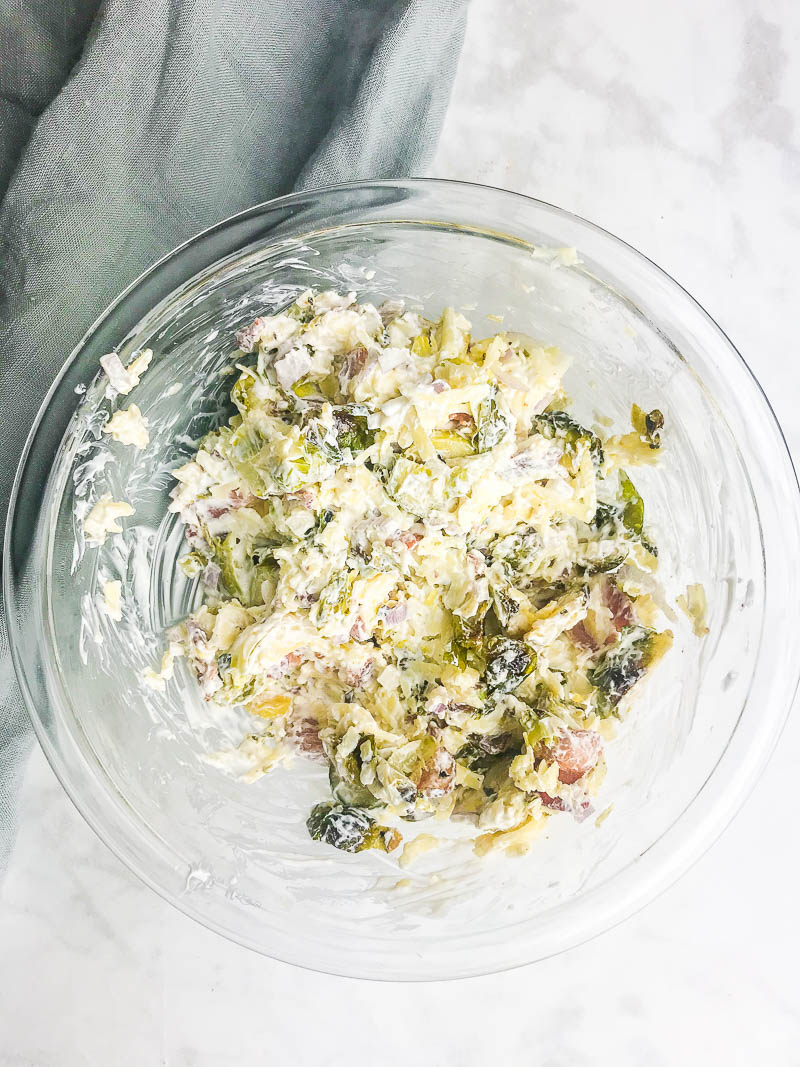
675, 126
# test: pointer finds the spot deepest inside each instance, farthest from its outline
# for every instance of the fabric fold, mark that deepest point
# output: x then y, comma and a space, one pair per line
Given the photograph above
125, 130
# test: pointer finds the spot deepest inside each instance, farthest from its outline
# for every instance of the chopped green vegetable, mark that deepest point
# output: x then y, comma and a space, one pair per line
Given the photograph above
301, 312
630, 515
349, 828
345, 781
619, 669
517, 551
633, 511
352, 428
306, 387
321, 521
508, 663
648, 425
335, 597
558, 425
422, 344
492, 424
505, 606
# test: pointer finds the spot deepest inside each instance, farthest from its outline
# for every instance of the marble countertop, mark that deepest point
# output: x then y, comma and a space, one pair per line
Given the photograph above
674, 126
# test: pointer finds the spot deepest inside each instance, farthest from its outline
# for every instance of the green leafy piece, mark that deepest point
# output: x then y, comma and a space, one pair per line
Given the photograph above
492, 424
352, 429
321, 439
335, 596
231, 558
321, 521
349, 828
305, 387
466, 646
609, 517
504, 604
648, 425
619, 669
517, 551
508, 662
423, 345
301, 312
602, 566
559, 425
192, 563
633, 510
451, 444
346, 784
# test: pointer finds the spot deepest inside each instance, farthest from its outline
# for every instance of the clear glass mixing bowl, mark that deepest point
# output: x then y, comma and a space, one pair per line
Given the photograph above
236, 856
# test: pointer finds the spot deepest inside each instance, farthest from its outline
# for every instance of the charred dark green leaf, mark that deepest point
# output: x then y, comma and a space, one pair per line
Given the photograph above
348, 828
517, 552
559, 425
508, 662
602, 566
619, 669
466, 647
352, 429
504, 604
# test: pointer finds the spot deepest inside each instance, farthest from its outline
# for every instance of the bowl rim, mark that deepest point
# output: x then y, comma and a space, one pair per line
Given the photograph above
670, 867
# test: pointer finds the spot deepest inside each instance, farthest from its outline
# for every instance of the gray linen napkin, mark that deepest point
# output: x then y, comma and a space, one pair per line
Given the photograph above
129, 126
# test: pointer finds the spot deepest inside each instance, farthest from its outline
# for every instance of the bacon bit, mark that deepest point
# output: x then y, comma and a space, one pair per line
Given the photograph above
208, 676
354, 363
476, 561
287, 664
409, 538
247, 339
580, 811
235, 500
576, 752
302, 496
438, 775
619, 604
439, 386
393, 615
461, 418
359, 631
392, 839
493, 746
196, 540
582, 638
357, 679
304, 735
197, 635
210, 576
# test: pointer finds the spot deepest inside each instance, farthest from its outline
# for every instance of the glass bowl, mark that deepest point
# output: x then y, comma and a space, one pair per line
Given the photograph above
236, 855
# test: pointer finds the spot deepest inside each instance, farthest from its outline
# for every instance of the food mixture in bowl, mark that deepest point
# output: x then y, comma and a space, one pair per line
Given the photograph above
419, 569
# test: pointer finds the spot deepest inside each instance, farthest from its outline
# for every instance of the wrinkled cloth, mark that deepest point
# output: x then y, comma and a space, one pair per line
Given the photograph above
127, 127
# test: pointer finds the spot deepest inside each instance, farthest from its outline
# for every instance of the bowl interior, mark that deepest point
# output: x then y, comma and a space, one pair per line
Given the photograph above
237, 854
